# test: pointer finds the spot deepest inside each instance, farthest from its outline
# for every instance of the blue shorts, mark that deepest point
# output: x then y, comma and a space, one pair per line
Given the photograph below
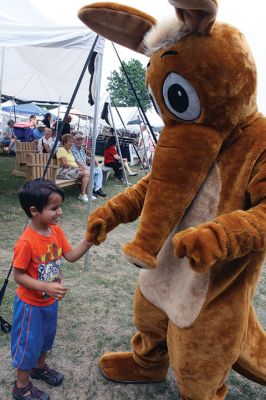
33, 333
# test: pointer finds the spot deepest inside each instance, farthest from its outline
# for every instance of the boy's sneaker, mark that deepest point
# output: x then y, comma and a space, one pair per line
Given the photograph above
48, 375
83, 198
29, 393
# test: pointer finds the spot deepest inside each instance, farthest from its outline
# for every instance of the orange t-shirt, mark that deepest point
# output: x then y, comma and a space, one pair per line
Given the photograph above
41, 257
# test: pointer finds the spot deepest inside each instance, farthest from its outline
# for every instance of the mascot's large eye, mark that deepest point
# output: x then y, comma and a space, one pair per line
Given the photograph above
181, 98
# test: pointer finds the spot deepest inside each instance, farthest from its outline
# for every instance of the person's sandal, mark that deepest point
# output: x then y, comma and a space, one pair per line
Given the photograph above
29, 392
48, 375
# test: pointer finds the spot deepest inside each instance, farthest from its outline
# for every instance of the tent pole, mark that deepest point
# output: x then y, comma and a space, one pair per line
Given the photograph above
135, 93
86, 127
70, 105
2, 74
98, 77
58, 115
134, 147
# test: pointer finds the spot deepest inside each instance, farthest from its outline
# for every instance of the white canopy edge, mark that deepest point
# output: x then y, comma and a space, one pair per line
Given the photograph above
48, 36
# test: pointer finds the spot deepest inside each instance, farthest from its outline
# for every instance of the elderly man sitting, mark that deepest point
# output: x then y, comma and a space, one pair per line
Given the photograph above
82, 159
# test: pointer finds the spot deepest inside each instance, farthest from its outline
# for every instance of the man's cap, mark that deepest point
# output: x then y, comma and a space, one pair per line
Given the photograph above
79, 136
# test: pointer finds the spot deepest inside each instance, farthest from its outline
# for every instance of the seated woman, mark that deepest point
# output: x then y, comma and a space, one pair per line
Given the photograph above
9, 138
45, 144
112, 159
69, 169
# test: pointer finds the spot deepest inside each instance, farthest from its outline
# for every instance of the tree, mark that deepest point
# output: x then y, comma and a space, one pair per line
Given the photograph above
120, 90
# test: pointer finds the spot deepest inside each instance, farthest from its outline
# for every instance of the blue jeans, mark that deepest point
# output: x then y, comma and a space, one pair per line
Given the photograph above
97, 178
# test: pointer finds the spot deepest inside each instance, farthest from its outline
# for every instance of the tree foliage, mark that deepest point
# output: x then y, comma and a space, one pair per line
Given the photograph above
120, 91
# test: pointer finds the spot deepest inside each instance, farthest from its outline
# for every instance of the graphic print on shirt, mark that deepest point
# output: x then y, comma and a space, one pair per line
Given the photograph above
49, 269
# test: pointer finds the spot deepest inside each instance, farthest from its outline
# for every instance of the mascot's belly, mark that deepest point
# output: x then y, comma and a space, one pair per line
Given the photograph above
173, 286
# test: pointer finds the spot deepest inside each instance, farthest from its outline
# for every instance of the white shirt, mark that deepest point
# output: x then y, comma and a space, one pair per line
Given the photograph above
42, 141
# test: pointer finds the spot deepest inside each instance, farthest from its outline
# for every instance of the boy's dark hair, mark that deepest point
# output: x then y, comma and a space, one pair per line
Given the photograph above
36, 193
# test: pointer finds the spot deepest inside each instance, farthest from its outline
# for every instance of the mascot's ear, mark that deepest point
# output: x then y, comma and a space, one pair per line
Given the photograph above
197, 15
117, 22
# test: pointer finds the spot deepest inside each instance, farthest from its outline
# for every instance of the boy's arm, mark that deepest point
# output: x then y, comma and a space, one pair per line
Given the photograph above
123, 208
53, 289
78, 251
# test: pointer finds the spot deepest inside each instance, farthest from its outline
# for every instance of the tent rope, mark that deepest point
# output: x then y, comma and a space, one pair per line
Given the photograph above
135, 94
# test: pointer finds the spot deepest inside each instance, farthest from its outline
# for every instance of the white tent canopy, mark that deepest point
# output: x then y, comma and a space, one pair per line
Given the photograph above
130, 114
40, 60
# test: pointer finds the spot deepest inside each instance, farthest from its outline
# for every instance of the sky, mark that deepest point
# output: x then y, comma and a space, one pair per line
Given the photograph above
249, 16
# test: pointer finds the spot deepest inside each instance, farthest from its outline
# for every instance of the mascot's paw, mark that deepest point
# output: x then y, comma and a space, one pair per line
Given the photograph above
121, 367
203, 246
96, 231
97, 226
139, 257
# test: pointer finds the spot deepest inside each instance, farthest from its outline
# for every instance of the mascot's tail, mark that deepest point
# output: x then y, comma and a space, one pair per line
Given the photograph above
252, 360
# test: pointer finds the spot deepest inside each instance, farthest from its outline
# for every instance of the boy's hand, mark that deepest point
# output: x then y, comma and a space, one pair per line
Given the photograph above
55, 290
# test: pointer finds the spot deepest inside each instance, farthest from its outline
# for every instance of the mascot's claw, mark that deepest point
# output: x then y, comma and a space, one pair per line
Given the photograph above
121, 367
203, 246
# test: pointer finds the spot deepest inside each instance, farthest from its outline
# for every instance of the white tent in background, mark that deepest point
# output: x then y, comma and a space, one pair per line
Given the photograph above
80, 121
42, 61
131, 114
127, 114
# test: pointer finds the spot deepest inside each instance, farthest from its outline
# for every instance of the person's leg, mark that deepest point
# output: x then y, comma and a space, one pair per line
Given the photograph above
41, 361
117, 167
203, 353
11, 146
26, 344
252, 361
23, 378
98, 182
149, 361
127, 167
84, 176
98, 178
41, 370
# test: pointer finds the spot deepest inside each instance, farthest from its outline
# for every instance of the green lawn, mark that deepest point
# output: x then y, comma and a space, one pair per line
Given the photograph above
96, 315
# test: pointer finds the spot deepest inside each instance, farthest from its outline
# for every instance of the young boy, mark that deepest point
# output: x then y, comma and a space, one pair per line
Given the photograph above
37, 270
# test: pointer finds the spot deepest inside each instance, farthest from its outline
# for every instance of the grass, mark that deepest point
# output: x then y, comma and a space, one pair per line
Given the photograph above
96, 315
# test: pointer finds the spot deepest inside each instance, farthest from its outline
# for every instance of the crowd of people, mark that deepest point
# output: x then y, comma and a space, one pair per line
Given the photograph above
74, 157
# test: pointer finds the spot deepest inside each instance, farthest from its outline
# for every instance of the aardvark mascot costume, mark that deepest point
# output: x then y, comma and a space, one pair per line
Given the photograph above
201, 238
